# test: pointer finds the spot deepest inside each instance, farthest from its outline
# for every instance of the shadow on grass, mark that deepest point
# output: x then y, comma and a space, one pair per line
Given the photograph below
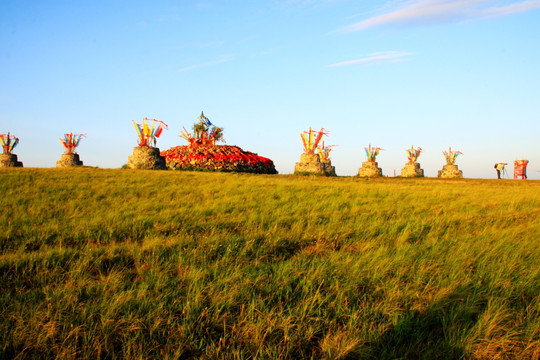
432, 334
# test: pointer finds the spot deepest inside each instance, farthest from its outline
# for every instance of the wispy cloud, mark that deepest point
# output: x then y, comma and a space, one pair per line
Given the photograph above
376, 58
206, 64
421, 12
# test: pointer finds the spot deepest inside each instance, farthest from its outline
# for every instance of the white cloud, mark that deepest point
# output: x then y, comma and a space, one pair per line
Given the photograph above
376, 58
205, 64
419, 12
512, 8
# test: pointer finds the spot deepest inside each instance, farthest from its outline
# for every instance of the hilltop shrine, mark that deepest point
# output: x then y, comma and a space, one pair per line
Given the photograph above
202, 153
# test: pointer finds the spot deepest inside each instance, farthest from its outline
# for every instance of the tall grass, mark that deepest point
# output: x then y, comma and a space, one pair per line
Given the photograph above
140, 264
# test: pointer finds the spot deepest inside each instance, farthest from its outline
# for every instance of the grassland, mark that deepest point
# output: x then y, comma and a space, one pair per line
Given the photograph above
148, 264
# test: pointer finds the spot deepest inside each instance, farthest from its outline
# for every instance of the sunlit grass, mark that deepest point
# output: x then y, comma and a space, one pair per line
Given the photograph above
141, 264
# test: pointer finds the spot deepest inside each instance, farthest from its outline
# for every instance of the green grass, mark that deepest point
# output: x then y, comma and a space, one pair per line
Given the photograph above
161, 264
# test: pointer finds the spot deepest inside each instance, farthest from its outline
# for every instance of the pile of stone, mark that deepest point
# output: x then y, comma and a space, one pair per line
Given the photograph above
217, 158
147, 158
69, 160
9, 160
450, 171
412, 170
312, 164
370, 169
329, 170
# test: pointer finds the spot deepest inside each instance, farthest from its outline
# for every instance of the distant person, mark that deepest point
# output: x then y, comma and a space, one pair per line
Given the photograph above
499, 167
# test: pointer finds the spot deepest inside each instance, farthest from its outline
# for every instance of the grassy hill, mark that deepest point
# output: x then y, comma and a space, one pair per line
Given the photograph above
163, 264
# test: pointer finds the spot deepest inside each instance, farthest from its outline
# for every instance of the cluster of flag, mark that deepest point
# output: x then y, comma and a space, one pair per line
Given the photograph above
71, 141
311, 139
324, 151
372, 152
413, 154
205, 133
149, 131
451, 156
8, 142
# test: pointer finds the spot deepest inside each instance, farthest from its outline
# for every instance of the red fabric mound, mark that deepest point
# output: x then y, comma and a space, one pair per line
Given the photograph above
217, 158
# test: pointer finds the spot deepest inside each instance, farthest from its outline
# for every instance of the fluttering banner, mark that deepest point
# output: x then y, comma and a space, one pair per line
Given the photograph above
451, 156
70, 142
413, 154
8, 142
311, 139
372, 152
149, 131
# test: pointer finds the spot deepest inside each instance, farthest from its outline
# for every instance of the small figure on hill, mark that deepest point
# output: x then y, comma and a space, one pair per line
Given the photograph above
499, 167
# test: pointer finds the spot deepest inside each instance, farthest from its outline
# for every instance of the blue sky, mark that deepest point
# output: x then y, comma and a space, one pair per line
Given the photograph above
428, 73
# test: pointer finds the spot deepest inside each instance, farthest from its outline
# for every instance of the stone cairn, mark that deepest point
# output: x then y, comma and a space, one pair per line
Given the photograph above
70, 158
329, 170
145, 156
370, 168
7, 158
311, 162
412, 168
450, 170
324, 154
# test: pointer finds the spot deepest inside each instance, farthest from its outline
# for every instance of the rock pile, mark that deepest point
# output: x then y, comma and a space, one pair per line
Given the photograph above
146, 157
412, 170
9, 160
217, 158
69, 160
370, 169
312, 164
450, 171
329, 170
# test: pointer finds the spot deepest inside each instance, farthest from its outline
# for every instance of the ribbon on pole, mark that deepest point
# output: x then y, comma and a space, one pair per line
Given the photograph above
8, 142
71, 141
413, 154
148, 133
311, 139
372, 152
